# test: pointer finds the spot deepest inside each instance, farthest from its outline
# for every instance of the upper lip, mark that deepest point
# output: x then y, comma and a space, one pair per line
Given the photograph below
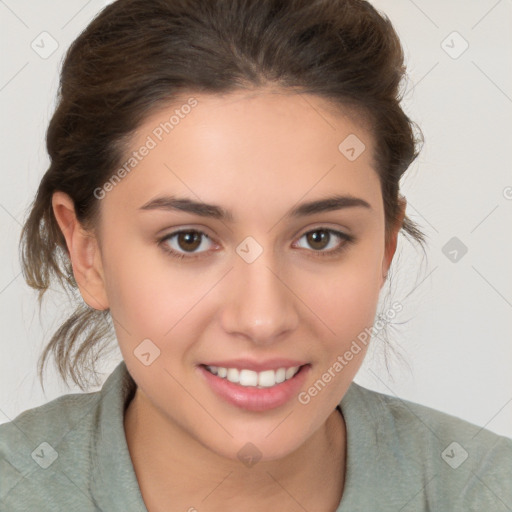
256, 366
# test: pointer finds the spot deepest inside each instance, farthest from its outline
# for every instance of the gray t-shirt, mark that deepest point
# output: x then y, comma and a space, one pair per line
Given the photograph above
71, 455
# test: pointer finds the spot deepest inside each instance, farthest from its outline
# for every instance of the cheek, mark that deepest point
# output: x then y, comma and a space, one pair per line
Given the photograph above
139, 297
151, 297
346, 297
346, 305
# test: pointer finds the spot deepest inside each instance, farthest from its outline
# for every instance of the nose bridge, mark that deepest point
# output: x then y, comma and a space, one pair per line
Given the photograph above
259, 304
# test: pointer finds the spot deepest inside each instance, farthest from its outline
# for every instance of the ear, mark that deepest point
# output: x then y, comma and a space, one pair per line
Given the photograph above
393, 238
83, 252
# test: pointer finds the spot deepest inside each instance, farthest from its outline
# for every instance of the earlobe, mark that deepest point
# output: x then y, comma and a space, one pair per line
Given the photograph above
393, 239
83, 252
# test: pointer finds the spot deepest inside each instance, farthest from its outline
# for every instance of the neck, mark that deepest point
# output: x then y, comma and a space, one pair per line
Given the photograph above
180, 473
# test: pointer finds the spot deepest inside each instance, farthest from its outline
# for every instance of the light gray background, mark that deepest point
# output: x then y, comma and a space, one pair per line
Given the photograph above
455, 331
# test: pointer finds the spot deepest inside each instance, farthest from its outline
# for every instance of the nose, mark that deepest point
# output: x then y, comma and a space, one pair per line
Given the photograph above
260, 305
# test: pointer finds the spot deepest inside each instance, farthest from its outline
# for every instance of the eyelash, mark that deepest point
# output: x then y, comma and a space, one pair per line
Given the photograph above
348, 239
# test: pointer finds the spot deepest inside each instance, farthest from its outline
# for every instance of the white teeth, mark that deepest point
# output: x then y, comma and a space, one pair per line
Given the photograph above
290, 372
233, 375
248, 378
280, 375
265, 379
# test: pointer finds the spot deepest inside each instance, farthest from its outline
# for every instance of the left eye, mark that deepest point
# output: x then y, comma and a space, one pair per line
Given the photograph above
320, 239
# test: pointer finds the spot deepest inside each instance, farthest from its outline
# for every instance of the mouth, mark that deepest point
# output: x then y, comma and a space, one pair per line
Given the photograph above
250, 378
255, 391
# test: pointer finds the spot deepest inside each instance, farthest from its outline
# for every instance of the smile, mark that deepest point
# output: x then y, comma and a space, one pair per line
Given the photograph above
250, 378
252, 390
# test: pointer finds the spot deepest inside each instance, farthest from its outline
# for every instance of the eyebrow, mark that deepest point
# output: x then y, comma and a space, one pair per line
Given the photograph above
331, 203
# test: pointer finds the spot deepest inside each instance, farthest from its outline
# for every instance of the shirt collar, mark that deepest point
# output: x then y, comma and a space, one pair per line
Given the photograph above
114, 483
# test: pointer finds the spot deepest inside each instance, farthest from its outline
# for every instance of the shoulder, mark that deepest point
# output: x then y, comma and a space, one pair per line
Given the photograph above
452, 461
61, 413
56, 434
71, 453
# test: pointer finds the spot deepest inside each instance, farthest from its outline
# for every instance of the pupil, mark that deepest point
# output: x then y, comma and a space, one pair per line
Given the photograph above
318, 239
188, 237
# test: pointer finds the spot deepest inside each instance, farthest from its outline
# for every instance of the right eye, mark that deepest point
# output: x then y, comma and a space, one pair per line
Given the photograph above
180, 244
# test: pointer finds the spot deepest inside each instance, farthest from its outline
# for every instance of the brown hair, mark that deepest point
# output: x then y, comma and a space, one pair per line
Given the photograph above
139, 55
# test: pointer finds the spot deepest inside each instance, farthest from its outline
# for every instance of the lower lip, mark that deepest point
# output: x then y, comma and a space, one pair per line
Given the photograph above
253, 398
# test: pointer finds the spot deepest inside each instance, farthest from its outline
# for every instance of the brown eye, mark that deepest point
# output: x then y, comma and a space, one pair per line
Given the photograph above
189, 240
318, 239
185, 243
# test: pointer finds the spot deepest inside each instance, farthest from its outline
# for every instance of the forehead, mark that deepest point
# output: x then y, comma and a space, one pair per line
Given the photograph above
263, 116
262, 146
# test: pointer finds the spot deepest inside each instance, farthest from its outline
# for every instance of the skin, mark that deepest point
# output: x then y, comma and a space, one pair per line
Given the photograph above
256, 154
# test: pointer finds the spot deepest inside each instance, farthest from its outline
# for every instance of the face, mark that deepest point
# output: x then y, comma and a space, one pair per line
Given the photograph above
266, 286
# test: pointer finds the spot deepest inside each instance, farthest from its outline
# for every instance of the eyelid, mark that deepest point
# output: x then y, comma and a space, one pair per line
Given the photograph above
161, 240
346, 239
327, 226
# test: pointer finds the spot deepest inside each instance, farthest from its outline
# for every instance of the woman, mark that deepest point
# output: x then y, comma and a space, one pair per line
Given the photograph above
269, 137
